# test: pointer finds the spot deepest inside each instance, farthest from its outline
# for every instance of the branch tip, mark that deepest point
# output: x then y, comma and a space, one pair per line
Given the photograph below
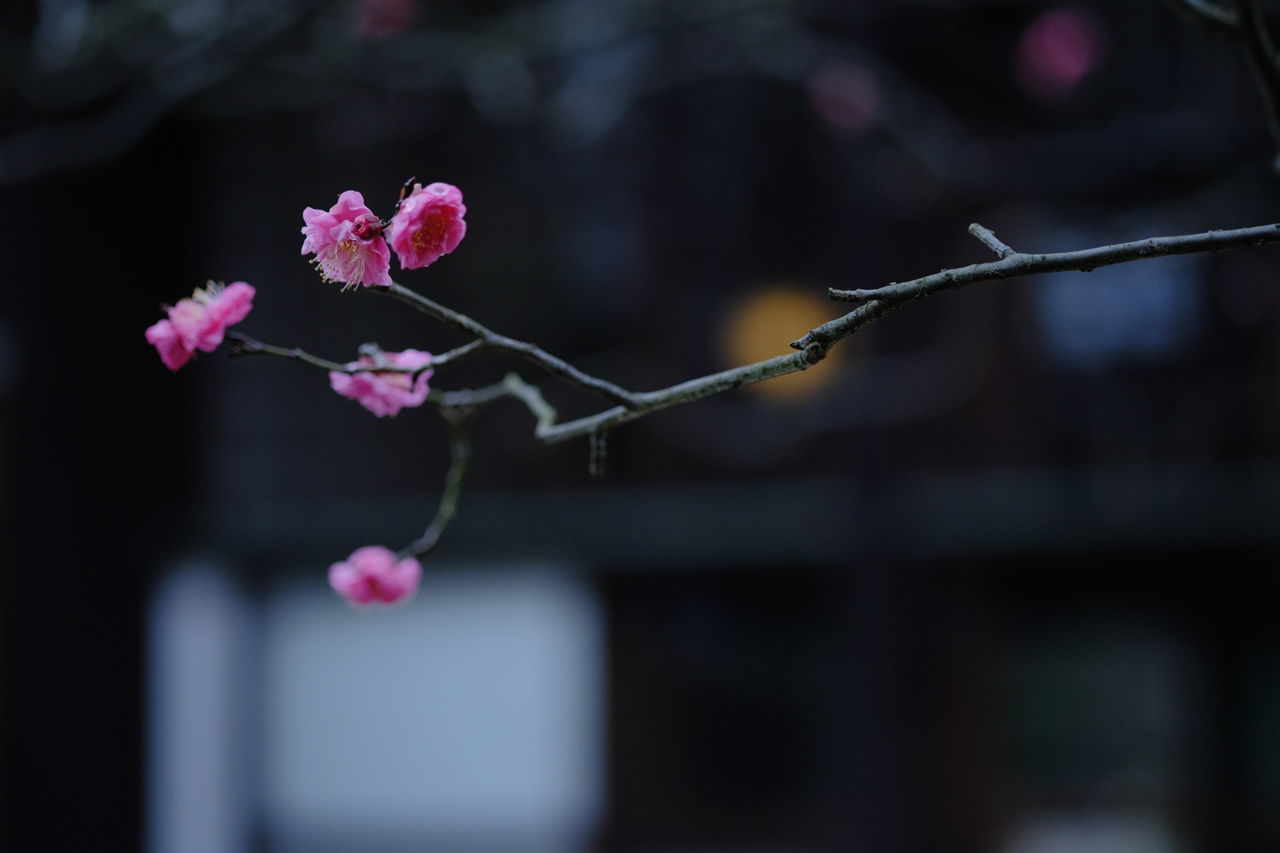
851, 295
988, 238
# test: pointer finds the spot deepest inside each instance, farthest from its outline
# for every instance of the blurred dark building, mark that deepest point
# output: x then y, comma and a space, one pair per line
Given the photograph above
999, 575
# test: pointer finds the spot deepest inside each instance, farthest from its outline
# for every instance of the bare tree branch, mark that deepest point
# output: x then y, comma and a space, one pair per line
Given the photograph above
812, 347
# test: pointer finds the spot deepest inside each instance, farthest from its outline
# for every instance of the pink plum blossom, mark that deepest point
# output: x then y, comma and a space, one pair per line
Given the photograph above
199, 322
386, 392
347, 242
428, 224
373, 575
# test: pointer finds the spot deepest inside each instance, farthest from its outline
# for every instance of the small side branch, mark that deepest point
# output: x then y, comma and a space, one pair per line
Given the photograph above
990, 240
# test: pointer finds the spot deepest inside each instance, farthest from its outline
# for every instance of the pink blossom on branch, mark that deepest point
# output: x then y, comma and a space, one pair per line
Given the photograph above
373, 575
348, 243
385, 392
199, 322
428, 224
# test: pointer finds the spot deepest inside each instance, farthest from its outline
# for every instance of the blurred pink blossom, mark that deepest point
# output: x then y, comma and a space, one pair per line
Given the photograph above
1059, 49
385, 393
376, 19
199, 322
347, 242
373, 575
846, 95
428, 224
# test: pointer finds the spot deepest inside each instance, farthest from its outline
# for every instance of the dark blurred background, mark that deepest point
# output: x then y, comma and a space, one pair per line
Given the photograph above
1000, 575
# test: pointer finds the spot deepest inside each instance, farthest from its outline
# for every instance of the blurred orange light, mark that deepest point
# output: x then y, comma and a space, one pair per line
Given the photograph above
761, 323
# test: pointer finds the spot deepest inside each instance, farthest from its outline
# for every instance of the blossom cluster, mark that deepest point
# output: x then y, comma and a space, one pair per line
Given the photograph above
350, 242
351, 245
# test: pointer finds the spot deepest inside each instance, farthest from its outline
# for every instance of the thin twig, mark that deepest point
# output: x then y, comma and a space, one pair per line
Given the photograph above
491, 340
242, 344
457, 353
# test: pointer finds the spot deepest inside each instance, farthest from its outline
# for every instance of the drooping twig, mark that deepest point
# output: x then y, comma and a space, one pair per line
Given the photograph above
456, 407
459, 455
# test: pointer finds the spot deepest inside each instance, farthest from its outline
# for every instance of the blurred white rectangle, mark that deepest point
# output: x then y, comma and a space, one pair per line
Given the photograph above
1093, 832
199, 688
474, 713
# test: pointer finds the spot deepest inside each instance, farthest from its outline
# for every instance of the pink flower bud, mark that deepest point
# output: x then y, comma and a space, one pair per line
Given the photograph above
373, 575
428, 224
347, 242
199, 323
385, 393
